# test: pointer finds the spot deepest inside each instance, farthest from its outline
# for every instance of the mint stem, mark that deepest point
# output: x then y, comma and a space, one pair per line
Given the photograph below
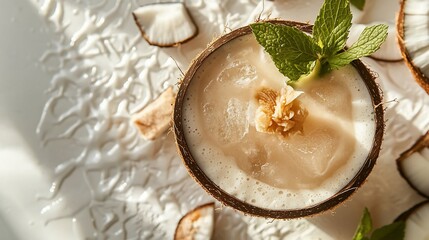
315, 73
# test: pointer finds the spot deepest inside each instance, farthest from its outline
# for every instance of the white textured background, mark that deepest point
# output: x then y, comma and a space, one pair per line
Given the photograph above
73, 166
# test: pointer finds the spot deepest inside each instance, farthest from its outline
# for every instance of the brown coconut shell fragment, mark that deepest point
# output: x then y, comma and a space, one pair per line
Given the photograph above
227, 199
197, 224
412, 158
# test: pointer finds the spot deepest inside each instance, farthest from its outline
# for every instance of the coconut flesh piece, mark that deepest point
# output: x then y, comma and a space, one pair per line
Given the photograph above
416, 168
165, 24
416, 30
413, 165
156, 117
197, 224
413, 37
389, 50
416, 222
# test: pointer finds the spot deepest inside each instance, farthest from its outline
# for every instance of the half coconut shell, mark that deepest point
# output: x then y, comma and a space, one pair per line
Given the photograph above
227, 199
408, 56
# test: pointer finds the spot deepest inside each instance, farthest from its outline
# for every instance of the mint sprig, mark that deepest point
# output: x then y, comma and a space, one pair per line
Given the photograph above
393, 231
298, 55
367, 43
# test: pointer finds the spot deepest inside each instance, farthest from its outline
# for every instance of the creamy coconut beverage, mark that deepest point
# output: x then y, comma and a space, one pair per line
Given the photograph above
270, 170
277, 122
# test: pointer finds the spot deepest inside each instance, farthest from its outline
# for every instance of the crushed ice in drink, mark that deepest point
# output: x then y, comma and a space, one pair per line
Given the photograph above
238, 74
237, 124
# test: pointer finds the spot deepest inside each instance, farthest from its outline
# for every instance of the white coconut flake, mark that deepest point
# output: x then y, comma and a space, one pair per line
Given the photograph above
165, 24
197, 224
389, 50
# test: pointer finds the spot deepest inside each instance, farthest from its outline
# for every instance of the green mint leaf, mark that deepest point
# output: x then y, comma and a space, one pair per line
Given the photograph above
365, 226
284, 42
293, 71
394, 231
369, 41
359, 4
332, 26
337, 39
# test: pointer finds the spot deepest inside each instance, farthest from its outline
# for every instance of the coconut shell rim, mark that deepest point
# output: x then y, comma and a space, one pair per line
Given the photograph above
421, 142
174, 44
419, 77
407, 213
226, 199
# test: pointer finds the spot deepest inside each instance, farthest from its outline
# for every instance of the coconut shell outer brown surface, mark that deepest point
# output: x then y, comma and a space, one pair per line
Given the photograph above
421, 143
420, 78
209, 186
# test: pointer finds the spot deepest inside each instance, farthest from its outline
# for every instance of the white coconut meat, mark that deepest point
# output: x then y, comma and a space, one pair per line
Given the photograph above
417, 7
165, 24
417, 224
389, 50
197, 224
415, 169
413, 24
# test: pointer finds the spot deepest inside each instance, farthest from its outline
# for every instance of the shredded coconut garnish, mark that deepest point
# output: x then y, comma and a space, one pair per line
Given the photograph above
280, 112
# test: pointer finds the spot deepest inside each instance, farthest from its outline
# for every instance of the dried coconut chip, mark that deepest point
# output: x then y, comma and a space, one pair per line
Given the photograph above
165, 24
279, 112
197, 224
155, 118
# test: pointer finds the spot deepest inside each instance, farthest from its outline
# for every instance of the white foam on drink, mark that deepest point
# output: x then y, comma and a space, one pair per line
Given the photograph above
218, 123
